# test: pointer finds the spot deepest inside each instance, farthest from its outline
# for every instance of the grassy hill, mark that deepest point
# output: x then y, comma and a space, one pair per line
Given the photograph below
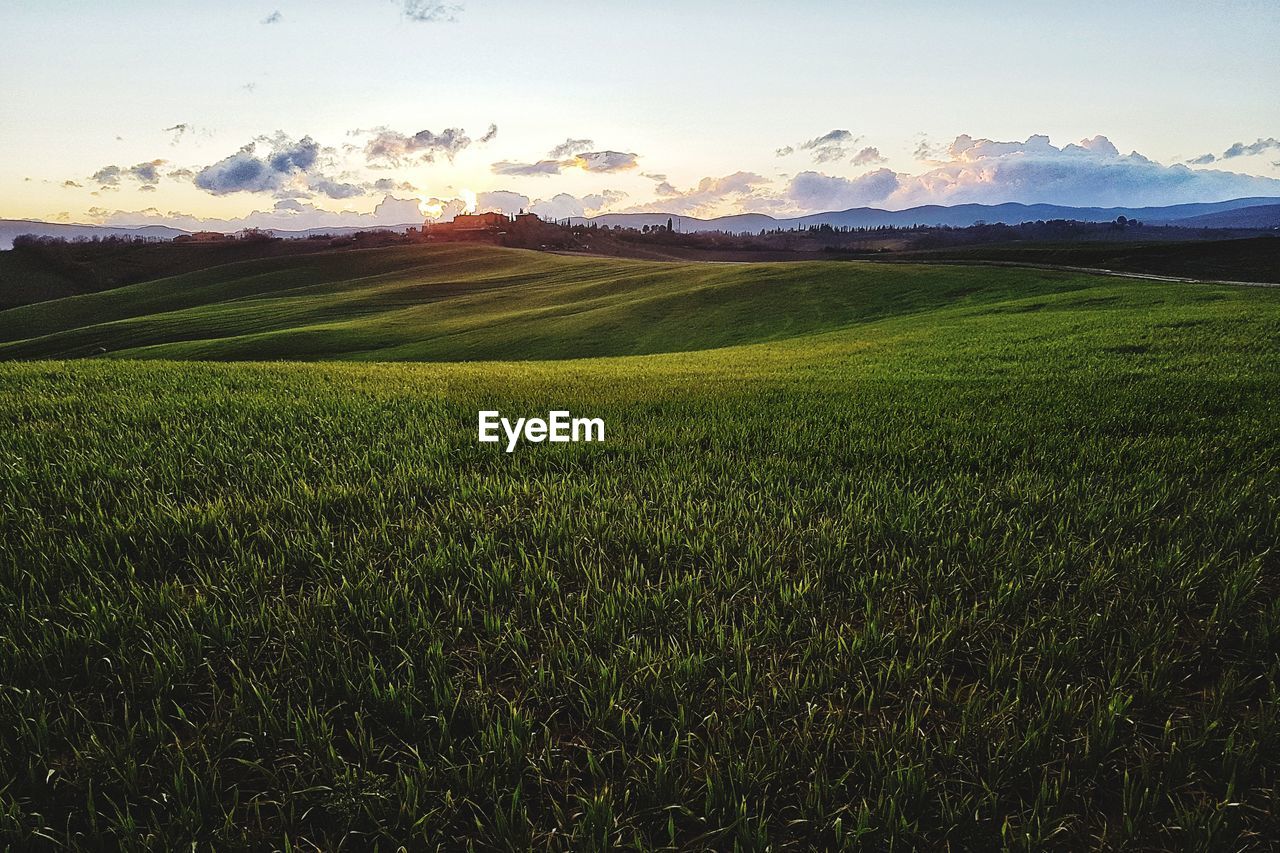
53, 271
479, 303
1252, 259
907, 558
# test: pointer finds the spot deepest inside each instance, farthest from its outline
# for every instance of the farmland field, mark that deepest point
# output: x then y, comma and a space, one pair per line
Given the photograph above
872, 557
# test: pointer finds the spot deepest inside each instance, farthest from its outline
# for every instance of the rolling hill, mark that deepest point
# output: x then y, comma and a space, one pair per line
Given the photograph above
460, 302
878, 557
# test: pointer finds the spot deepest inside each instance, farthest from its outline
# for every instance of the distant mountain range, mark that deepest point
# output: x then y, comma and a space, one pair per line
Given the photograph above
1236, 213
10, 228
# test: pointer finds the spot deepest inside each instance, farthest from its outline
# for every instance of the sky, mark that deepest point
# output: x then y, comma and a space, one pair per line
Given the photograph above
304, 113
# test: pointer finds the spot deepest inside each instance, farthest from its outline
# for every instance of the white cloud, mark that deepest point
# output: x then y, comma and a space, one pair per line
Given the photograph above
812, 191
743, 190
1090, 173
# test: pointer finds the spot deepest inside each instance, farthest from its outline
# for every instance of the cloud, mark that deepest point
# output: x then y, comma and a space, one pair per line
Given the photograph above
599, 201
389, 148
396, 211
569, 148
335, 189
1239, 149
812, 191
928, 151
867, 157
178, 130
501, 201
147, 173
288, 156
391, 185
72, 185
540, 168
281, 169
831, 146
108, 176
565, 206
561, 206
489, 134
592, 161
746, 190
605, 161
448, 209
274, 18
432, 11
1089, 173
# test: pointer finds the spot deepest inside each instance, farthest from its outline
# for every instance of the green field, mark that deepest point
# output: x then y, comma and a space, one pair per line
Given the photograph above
477, 303
873, 557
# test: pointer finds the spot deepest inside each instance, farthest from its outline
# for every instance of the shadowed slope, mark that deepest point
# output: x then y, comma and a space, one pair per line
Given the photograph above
469, 303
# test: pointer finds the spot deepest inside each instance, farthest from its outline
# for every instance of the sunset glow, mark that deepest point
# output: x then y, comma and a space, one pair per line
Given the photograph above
264, 128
